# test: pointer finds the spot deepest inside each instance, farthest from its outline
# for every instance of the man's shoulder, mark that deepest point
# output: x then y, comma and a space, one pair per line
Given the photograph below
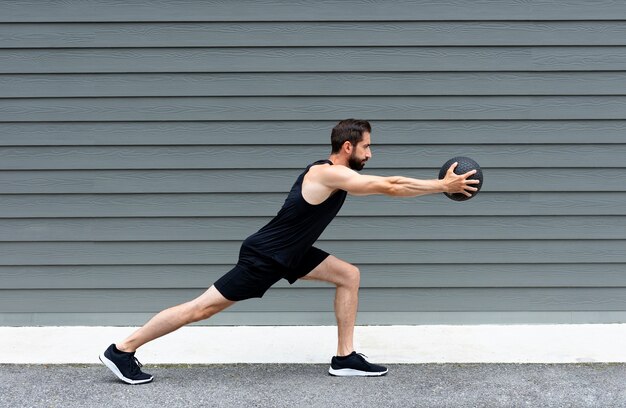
332, 177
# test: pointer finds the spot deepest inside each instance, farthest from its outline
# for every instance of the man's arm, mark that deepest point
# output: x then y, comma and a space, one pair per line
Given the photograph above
344, 178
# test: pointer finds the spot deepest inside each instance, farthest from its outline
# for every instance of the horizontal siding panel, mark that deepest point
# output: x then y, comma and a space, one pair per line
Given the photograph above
264, 181
334, 10
342, 228
310, 132
267, 205
182, 133
313, 84
289, 157
231, 318
298, 34
312, 59
315, 108
475, 275
318, 299
374, 252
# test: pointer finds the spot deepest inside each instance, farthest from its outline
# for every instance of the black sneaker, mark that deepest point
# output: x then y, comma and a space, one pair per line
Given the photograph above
124, 365
355, 365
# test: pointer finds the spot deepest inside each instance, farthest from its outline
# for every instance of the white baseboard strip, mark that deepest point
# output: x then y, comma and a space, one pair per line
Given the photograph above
576, 343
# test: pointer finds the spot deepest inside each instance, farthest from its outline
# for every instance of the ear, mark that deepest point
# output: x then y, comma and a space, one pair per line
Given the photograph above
347, 147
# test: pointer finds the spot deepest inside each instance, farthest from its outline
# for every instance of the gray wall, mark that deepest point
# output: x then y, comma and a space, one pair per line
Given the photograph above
141, 143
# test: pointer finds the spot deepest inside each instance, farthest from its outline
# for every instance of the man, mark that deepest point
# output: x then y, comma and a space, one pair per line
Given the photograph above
283, 249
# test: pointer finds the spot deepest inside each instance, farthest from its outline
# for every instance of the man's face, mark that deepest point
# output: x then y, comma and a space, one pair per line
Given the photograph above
360, 153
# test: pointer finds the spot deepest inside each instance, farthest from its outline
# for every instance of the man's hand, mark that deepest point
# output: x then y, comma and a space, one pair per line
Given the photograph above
455, 183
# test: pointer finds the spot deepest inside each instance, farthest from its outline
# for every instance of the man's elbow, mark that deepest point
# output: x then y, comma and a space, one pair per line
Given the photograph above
391, 188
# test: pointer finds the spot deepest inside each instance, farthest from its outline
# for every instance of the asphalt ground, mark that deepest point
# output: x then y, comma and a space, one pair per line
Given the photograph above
309, 385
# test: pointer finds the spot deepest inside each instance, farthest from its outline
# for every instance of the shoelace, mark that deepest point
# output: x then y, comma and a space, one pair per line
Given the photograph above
137, 362
135, 365
364, 359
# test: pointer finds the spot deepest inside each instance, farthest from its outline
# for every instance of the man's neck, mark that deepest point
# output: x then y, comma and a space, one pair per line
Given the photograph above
338, 160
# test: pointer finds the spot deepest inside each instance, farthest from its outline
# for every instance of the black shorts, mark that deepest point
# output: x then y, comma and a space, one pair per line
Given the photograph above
254, 275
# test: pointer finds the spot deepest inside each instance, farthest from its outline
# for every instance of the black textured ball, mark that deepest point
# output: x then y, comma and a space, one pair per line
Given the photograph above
465, 164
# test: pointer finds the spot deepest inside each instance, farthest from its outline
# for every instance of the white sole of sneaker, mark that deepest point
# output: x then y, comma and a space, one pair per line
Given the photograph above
111, 366
350, 372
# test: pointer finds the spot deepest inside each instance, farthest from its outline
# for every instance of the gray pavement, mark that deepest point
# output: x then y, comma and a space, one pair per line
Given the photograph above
279, 385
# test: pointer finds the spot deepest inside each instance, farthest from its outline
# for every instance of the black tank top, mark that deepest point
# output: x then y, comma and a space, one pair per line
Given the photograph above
296, 227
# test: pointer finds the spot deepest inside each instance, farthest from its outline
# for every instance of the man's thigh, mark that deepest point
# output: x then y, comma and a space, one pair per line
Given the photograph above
333, 270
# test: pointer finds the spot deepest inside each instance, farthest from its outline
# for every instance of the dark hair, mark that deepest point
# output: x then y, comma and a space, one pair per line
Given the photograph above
350, 130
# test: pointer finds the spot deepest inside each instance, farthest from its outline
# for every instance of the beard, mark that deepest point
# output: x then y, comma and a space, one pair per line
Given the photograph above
355, 163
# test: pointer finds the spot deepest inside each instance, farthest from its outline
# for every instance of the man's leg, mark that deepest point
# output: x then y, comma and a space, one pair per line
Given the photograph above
120, 358
346, 277
169, 320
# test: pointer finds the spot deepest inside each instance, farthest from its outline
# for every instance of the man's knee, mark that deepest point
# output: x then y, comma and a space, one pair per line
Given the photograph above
351, 276
207, 305
201, 312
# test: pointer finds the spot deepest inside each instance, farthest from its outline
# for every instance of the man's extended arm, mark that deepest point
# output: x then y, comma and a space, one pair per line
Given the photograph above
341, 177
